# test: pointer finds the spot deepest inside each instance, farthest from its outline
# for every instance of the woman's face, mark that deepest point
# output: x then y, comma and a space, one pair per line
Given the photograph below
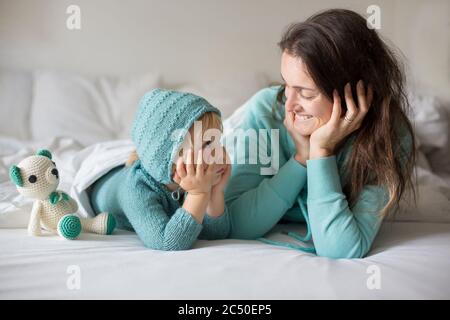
312, 109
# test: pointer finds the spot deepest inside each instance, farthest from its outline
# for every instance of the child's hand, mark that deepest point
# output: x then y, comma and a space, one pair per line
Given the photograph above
195, 178
216, 204
219, 186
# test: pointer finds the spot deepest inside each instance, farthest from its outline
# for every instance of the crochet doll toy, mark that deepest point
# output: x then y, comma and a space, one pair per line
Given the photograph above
37, 177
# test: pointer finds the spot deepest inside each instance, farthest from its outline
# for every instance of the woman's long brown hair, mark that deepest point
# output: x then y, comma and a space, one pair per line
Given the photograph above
337, 47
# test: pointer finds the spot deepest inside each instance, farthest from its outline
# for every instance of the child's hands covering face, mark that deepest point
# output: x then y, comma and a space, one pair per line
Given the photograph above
223, 172
195, 177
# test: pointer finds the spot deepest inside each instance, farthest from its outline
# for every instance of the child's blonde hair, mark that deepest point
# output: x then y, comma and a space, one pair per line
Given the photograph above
209, 120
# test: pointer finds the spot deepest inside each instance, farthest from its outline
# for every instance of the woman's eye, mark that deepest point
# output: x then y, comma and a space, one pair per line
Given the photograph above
298, 91
307, 97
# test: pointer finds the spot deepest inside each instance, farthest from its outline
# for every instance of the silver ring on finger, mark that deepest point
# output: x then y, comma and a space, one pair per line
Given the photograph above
348, 118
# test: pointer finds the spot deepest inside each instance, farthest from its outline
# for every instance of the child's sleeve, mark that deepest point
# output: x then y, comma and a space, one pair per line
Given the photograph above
154, 226
216, 227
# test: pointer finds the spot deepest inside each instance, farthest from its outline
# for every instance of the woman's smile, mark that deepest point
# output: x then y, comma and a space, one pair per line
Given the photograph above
305, 123
303, 117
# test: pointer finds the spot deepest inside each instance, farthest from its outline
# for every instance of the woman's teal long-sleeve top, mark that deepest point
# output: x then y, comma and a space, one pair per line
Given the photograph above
311, 194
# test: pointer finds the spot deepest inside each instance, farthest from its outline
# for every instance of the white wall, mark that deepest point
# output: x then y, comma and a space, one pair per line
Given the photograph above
203, 39
422, 31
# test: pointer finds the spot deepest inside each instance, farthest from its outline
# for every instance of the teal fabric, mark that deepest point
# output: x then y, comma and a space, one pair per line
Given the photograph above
311, 194
160, 125
137, 196
56, 197
69, 227
141, 204
15, 176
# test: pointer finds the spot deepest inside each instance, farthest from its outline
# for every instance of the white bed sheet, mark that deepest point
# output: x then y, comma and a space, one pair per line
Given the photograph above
413, 261
413, 257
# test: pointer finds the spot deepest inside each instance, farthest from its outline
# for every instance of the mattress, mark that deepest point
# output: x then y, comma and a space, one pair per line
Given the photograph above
407, 261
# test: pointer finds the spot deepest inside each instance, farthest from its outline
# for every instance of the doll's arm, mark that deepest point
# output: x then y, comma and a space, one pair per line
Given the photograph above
34, 226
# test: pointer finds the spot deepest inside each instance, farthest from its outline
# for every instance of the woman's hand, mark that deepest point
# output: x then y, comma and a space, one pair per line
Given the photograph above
324, 140
301, 142
195, 178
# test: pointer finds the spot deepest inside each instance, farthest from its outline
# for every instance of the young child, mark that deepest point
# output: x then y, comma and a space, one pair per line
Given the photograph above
168, 192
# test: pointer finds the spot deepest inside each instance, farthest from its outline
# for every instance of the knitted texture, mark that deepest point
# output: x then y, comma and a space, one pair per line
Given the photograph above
69, 227
161, 115
141, 204
38, 181
37, 177
15, 176
104, 223
58, 196
45, 153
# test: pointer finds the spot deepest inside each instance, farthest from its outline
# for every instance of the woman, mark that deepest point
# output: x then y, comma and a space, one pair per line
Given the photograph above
346, 146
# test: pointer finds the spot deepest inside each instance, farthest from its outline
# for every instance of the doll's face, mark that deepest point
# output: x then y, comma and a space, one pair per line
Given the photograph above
39, 177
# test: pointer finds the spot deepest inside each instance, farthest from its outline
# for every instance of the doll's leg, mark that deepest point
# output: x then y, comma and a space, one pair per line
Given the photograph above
103, 223
69, 226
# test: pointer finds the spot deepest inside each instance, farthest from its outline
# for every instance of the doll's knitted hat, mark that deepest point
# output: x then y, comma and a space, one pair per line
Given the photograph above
161, 114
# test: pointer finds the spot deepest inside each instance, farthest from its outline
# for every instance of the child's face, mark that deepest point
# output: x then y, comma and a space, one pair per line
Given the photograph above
208, 141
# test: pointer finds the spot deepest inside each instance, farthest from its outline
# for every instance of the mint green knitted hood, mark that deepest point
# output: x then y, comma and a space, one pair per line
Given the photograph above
162, 113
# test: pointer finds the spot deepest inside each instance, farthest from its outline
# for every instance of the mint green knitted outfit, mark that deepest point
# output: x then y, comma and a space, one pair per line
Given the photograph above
137, 195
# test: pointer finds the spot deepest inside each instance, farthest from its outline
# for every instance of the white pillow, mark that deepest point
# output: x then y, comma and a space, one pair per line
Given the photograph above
431, 124
15, 102
123, 95
227, 94
433, 204
89, 109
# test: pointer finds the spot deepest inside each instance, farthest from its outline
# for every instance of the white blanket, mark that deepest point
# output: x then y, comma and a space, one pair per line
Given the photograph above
92, 163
